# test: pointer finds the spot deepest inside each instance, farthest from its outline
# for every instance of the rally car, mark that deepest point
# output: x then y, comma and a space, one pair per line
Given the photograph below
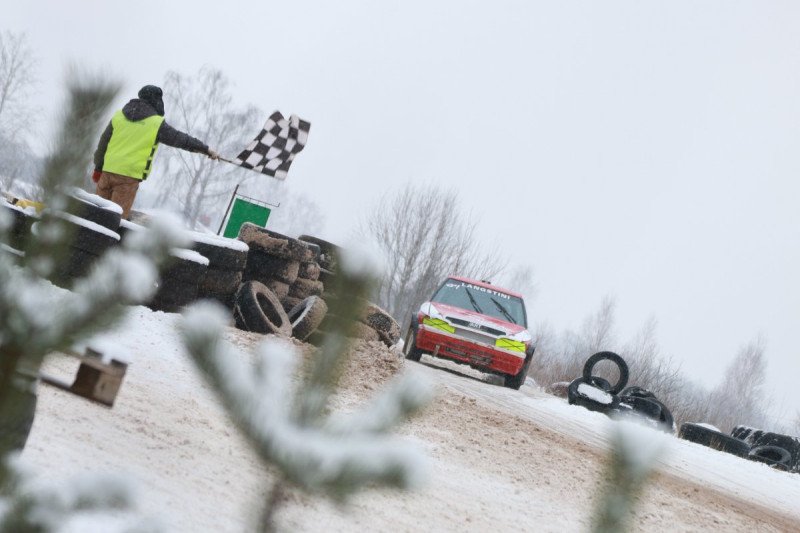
474, 323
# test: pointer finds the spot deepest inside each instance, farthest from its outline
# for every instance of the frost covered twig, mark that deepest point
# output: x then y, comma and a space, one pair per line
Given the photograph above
634, 450
289, 426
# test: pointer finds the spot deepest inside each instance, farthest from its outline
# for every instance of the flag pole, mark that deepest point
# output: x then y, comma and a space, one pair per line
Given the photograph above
233, 196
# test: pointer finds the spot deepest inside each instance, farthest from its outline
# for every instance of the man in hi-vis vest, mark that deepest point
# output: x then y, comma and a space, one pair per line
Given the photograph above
124, 155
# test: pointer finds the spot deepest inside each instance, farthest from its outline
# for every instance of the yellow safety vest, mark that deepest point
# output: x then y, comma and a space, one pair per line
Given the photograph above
132, 146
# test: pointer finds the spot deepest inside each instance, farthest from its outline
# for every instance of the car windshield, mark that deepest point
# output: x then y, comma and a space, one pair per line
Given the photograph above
490, 302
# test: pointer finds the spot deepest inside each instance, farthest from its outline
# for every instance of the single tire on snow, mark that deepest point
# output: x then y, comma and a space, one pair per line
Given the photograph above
614, 358
410, 350
262, 267
605, 401
261, 310
774, 456
713, 439
306, 316
787, 442
272, 243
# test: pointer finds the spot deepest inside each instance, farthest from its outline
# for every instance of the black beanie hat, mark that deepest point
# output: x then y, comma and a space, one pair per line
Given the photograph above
152, 95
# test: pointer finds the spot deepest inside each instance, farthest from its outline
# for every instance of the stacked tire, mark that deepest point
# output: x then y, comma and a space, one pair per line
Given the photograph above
88, 241
594, 392
273, 266
226, 262
307, 283
713, 438
19, 229
179, 281
327, 258
643, 404
774, 449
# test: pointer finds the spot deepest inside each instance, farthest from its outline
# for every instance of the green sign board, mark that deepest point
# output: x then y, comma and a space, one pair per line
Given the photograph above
244, 211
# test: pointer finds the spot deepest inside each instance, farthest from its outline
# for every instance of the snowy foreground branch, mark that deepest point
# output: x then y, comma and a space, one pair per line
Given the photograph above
288, 424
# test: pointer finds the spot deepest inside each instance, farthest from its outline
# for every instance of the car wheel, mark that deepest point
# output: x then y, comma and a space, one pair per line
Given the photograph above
410, 350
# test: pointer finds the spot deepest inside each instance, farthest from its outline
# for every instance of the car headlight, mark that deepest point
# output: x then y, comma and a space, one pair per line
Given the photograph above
439, 324
509, 344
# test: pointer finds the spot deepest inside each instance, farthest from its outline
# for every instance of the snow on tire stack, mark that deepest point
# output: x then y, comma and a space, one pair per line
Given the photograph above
226, 262
93, 225
270, 299
179, 279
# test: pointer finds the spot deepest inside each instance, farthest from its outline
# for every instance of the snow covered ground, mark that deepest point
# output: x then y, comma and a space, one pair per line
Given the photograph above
499, 459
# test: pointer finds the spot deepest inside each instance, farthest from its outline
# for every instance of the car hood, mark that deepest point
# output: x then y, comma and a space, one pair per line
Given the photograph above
471, 316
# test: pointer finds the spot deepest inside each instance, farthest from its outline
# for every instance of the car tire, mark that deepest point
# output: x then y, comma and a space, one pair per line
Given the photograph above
306, 316
382, 322
410, 350
222, 257
303, 288
713, 439
262, 266
309, 270
774, 456
575, 397
788, 443
261, 310
275, 244
103, 216
328, 257
614, 358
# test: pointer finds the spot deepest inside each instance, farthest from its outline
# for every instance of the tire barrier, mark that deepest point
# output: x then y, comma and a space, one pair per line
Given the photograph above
306, 316
179, 281
585, 393
87, 242
597, 394
257, 309
226, 262
712, 438
614, 358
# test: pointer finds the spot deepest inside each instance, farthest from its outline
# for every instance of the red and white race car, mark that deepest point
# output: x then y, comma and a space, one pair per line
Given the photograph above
474, 323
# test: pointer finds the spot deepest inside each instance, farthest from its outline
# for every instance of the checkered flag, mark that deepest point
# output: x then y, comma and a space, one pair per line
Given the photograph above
274, 148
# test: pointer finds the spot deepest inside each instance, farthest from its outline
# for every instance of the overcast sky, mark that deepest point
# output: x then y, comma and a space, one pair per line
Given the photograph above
646, 151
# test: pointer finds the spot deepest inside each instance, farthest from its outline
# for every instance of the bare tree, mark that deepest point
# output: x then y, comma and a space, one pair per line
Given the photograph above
740, 398
17, 78
423, 237
202, 106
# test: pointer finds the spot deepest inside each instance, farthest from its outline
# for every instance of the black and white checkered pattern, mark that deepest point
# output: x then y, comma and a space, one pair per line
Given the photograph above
274, 148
